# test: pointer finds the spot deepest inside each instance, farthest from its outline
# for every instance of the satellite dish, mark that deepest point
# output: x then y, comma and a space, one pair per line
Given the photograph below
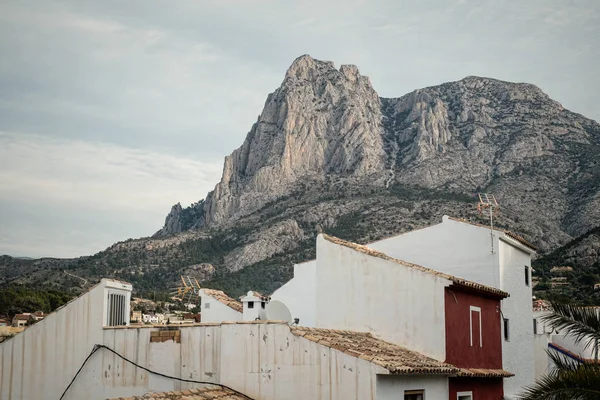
277, 311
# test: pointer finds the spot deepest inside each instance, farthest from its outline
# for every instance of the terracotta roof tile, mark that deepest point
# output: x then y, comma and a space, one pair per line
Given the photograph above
394, 358
212, 392
220, 296
570, 354
456, 280
513, 235
484, 373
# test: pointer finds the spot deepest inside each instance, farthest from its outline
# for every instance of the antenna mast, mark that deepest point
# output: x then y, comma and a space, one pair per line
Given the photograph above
488, 201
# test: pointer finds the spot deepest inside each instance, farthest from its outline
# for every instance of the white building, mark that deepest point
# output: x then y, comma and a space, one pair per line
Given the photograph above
150, 319
262, 360
496, 258
216, 306
299, 294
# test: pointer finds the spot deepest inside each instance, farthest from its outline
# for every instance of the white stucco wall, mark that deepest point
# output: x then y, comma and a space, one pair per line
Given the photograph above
392, 387
39, 362
263, 360
282, 366
540, 345
299, 294
453, 247
217, 311
399, 304
518, 351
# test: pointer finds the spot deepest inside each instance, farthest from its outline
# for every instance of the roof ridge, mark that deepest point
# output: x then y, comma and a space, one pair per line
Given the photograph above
511, 234
375, 253
390, 356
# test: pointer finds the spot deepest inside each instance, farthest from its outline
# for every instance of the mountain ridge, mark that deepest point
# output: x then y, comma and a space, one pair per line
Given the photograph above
411, 129
327, 154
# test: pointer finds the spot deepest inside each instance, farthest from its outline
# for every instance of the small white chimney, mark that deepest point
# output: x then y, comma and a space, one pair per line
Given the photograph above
254, 305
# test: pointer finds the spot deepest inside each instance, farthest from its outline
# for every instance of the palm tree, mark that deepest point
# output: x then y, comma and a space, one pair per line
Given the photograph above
570, 379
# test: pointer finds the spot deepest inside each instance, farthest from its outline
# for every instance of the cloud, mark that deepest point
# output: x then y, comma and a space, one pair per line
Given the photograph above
76, 180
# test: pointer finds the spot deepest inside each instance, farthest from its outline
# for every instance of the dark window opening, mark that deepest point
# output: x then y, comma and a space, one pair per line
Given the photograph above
250, 304
526, 275
262, 304
506, 330
535, 326
414, 394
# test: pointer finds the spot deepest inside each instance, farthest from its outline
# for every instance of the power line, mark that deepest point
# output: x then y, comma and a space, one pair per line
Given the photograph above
101, 346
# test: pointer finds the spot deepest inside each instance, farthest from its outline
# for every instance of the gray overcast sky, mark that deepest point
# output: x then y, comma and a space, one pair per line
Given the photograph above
112, 111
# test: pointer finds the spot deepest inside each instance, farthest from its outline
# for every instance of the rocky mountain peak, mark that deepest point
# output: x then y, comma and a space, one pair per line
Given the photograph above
325, 124
320, 121
306, 67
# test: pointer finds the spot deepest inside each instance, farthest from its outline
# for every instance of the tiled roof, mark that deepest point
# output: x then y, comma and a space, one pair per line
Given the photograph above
570, 354
513, 235
220, 296
22, 317
213, 392
484, 373
456, 280
394, 358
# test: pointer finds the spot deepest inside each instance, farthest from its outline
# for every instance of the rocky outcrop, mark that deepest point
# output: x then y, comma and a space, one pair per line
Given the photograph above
320, 121
279, 238
172, 222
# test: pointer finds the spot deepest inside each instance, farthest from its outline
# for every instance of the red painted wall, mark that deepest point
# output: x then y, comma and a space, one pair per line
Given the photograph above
459, 351
483, 389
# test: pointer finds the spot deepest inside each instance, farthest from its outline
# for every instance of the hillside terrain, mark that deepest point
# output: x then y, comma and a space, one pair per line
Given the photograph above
327, 154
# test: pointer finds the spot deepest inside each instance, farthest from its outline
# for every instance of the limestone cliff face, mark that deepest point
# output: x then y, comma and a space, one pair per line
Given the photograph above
320, 121
475, 134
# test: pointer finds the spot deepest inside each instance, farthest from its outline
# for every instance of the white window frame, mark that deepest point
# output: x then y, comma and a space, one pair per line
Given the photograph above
464, 394
477, 309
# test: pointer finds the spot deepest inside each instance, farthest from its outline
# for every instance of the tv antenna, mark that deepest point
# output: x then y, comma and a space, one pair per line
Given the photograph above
488, 202
189, 291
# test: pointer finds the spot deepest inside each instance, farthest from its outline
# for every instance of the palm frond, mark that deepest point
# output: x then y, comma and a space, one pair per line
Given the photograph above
562, 362
580, 323
580, 384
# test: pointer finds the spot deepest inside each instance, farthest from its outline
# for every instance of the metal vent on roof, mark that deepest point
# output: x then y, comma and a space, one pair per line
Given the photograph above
116, 309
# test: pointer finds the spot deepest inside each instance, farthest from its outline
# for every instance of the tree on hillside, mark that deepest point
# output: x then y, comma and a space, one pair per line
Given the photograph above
570, 379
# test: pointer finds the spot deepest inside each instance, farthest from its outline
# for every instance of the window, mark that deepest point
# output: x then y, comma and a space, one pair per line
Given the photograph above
464, 396
262, 304
526, 275
250, 304
475, 326
506, 330
414, 395
535, 326
206, 305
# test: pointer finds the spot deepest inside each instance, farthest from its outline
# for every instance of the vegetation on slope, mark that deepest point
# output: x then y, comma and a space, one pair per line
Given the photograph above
21, 300
582, 255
